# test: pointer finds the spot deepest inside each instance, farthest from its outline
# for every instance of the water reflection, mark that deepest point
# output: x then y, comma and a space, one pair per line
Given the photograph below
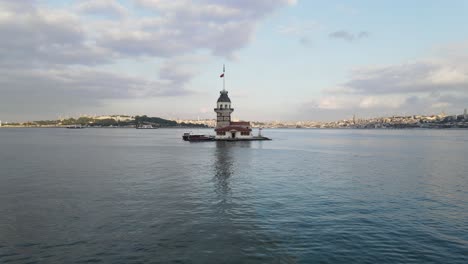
243, 230
224, 167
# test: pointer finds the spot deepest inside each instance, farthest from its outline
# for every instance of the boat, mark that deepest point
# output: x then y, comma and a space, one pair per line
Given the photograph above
76, 126
197, 138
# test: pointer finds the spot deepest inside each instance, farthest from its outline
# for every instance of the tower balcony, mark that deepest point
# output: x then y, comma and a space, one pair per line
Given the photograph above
224, 109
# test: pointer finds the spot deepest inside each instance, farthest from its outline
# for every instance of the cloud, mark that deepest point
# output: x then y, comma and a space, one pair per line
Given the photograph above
417, 77
339, 107
181, 69
424, 86
55, 56
349, 36
37, 37
221, 27
55, 90
83, 82
216, 9
342, 35
299, 29
110, 8
177, 73
337, 102
370, 102
171, 28
17, 5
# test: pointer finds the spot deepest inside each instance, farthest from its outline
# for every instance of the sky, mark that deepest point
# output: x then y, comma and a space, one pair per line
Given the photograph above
285, 59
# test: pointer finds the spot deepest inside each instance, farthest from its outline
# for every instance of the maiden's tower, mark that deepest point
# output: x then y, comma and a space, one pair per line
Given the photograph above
225, 128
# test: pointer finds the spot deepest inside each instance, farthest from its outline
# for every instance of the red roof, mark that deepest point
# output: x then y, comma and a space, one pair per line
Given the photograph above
233, 128
241, 123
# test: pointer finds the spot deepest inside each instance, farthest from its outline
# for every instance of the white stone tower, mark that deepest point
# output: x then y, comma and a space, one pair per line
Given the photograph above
223, 110
223, 106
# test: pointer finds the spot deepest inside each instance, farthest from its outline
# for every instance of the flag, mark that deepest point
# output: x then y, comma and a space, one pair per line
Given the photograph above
221, 76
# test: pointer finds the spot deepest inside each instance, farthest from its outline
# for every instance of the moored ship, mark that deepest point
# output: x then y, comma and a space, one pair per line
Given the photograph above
76, 126
193, 138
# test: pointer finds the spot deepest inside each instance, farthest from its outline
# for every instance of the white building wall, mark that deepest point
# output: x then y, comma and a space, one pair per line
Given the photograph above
225, 114
228, 135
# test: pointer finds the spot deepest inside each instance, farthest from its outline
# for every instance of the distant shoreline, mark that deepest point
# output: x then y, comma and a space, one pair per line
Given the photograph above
285, 128
102, 127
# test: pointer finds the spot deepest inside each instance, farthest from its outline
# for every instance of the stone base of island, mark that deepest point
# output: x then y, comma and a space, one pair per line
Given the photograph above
202, 138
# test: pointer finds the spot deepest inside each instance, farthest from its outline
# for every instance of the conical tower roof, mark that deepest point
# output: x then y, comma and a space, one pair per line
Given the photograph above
223, 97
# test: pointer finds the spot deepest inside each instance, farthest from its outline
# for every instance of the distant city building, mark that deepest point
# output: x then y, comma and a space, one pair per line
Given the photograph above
103, 117
119, 118
465, 114
206, 122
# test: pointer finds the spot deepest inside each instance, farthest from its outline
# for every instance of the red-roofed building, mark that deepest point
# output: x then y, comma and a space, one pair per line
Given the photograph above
234, 132
241, 123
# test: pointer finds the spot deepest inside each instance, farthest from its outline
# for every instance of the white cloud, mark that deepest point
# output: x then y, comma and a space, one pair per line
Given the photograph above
440, 105
183, 27
110, 8
52, 55
37, 37
349, 36
422, 86
370, 102
448, 75
417, 77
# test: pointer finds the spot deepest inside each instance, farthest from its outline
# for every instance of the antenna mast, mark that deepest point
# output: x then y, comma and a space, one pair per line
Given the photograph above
224, 78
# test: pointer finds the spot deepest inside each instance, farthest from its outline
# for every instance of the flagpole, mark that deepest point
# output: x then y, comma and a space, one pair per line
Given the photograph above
224, 79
